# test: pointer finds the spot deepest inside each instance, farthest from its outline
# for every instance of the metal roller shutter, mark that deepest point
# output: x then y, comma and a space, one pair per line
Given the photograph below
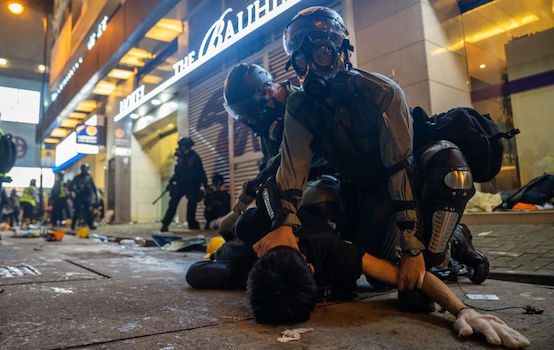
213, 131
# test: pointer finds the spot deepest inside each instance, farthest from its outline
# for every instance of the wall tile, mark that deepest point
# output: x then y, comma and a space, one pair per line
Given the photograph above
446, 67
444, 97
409, 64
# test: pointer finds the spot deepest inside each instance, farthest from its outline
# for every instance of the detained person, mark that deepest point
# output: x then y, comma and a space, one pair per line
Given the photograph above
285, 283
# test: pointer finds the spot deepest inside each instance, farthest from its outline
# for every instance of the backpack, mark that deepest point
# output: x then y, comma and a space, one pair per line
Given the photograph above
8, 153
538, 191
475, 134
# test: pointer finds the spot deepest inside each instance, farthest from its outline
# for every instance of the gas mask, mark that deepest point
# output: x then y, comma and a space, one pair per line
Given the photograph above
317, 62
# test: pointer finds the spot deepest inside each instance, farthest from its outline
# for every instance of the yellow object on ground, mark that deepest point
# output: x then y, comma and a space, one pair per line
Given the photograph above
67, 222
213, 246
83, 232
4, 227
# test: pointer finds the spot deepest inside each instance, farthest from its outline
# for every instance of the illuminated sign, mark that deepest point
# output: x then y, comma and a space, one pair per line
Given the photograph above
91, 135
225, 32
132, 101
98, 33
68, 150
66, 79
90, 44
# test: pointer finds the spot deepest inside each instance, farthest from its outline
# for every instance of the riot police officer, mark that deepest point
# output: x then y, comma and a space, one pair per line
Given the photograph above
188, 176
84, 197
361, 123
254, 99
217, 202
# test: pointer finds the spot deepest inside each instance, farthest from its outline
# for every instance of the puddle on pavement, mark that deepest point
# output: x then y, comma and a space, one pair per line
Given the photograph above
18, 271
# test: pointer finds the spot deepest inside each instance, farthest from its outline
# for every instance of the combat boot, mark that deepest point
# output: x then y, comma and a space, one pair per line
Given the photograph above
464, 252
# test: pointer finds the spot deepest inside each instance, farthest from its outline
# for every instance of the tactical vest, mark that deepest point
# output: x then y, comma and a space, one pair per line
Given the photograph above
27, 197
347, 135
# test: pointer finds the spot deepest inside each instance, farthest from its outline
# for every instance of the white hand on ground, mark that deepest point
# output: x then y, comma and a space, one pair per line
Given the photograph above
494, 329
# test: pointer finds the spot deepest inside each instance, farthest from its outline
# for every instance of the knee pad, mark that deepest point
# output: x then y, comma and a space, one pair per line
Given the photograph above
447, 189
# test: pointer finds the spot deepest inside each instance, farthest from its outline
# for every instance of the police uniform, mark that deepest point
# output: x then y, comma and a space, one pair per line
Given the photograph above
188, 176
370, 141
84, 188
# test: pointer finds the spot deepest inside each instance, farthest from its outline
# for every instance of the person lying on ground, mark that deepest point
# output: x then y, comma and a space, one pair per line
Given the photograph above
285, 284
287, 281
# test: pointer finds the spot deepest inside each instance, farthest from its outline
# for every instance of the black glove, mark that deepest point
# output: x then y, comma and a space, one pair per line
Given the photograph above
171, 186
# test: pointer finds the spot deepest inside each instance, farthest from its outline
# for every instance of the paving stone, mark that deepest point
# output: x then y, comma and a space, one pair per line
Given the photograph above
531, 266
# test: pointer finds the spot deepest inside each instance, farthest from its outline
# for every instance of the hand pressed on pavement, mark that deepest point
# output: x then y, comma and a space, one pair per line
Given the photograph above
412, 272
494, 329
283, 236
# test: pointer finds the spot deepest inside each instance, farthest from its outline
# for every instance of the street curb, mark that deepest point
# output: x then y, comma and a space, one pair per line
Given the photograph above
523, 277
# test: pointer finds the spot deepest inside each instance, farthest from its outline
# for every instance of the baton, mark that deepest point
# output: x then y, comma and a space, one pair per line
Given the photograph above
159, 197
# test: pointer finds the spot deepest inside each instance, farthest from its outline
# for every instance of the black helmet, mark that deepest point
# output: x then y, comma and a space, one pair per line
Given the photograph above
218, 179
322, 197
85, 168
316, 22
186, 142
244, 94
317, 41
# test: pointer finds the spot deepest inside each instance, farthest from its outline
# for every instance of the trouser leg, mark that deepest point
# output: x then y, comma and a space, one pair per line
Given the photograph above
192, 201
55, 214
76, 213
89, 212
171, 209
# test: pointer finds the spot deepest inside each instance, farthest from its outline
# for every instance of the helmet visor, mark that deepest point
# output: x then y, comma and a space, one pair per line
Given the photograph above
315, 29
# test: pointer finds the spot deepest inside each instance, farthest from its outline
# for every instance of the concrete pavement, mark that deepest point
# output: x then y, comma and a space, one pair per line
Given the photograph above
512, 249
99, 296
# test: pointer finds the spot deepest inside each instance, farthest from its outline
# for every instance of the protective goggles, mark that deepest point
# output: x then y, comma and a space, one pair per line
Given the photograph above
323, 55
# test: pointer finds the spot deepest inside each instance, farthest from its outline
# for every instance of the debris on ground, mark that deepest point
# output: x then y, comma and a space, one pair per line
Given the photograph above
292, 334
1, 290
30, 232
179, 244
483, 296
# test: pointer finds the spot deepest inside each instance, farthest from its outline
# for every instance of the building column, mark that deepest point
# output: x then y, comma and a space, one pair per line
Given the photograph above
419, 44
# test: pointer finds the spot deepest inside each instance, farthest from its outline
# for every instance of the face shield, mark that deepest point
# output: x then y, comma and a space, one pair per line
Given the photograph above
260, 112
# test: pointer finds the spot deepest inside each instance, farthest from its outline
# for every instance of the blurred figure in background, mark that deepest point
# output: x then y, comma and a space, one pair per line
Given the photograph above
58, 200
8, 155
217, 202
84, 190
188, 176
28, 202
10, 208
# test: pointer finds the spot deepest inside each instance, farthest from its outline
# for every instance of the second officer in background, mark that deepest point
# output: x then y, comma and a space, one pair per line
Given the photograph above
188, 176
